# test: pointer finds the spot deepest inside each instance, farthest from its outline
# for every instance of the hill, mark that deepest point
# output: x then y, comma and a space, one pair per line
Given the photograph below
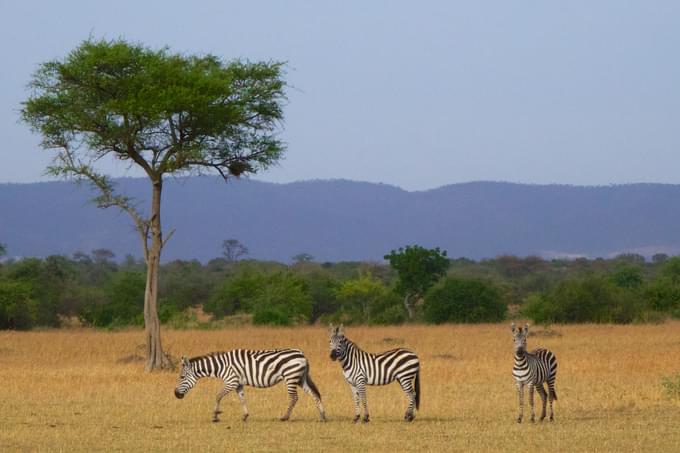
345, 220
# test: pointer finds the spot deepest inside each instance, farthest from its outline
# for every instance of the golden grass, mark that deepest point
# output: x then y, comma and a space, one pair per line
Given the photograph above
67, 390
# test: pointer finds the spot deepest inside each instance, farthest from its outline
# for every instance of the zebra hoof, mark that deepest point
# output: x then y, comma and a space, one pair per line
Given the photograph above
215, 420
365, 419
519, 419
356, 418
409, 417
284, 418
245, 417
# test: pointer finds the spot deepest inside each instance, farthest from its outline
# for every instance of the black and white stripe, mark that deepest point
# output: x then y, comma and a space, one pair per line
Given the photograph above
362, 368
241, 367
533, 369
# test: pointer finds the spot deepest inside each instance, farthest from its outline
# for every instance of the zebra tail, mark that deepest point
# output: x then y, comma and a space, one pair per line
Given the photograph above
418, 389
307, 378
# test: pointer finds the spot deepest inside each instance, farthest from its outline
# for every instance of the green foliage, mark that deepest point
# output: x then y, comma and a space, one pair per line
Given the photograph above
189, 110
593, 298
418, 268
468, 300
18, 308
367, 300
628, 276
663, 295
123, 302
234, 294
282, 300
322, 288
279, 298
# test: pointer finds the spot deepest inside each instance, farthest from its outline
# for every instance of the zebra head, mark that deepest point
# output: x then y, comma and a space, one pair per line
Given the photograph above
519, 337
187, 379
338, 343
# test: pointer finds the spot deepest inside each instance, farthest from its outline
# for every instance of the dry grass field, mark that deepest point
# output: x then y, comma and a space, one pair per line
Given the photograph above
83, 390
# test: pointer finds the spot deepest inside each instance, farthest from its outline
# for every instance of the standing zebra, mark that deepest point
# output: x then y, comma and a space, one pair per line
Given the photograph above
533, 369
362, 368
241, 367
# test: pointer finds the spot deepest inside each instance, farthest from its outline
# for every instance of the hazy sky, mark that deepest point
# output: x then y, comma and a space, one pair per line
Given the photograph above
415, 94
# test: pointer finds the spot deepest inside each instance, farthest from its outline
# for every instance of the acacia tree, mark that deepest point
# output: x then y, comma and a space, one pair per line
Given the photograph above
418, 269
165, 113
232, 249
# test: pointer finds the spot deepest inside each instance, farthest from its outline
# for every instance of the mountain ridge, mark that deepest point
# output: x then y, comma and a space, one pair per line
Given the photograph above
340, 219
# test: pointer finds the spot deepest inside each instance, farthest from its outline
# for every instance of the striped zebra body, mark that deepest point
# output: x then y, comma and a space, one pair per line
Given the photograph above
533, 369
362, 368
241, 367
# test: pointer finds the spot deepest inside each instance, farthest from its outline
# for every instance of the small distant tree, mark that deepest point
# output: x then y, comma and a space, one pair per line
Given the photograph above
232, 249
3, 249
303, 258
165, 113
418, 269
659, 258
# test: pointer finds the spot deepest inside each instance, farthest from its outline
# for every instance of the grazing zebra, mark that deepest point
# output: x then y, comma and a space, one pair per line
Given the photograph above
533, 369
362, 368
241, 367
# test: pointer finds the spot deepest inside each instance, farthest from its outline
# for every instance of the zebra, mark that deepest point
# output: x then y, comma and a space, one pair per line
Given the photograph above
533, 369
240, 367
362, 368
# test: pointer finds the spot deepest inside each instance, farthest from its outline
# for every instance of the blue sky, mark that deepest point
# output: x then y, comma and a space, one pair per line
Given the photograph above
414, 94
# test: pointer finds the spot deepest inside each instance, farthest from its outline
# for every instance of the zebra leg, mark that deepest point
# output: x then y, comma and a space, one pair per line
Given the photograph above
407, 387
544, 399
355, 396
242, 397
293, 397
228, 387
551, 396
361, 388
317, 400
531, 402
520, 394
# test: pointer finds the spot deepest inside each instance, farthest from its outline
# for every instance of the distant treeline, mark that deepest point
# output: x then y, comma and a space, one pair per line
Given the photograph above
99, 291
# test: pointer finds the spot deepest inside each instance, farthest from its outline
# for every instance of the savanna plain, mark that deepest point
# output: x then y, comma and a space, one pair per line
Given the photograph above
86, 390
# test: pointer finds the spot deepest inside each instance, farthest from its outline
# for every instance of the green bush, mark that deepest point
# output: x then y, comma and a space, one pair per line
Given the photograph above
18, 308
281, 300
468, 300
367, 300
235, 294
122, 304
663, 295
592, 298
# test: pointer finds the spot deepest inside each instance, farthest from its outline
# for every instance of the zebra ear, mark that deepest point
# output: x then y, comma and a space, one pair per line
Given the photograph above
185, 361
526, 328
513, 327
331, 329
341, 330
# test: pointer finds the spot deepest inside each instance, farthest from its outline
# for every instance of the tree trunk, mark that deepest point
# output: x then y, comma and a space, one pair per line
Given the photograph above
156, 358
408, 305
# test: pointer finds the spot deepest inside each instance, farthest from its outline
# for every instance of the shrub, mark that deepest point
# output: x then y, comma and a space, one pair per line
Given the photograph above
367, 300
282, 300
663, 295
234, 294
457, 299
18, 308
123, 302
589, 299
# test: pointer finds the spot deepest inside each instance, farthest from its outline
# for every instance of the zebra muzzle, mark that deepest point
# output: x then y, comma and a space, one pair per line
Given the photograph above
178, 394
